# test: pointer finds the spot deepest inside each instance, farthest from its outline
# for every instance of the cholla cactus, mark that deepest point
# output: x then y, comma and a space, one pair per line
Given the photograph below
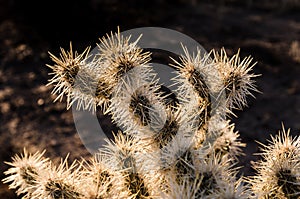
58, 182
279, 171
237, 80
25, 171
65, 71
187, 149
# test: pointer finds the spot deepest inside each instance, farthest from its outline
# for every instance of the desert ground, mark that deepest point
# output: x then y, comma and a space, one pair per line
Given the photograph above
269, 32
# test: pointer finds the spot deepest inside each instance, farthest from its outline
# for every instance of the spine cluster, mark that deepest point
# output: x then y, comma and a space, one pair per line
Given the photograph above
171, 145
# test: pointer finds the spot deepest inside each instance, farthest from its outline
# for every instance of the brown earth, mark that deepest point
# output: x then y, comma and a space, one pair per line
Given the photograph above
28, 30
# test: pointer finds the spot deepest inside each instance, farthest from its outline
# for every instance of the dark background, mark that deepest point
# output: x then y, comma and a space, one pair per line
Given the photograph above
269, 32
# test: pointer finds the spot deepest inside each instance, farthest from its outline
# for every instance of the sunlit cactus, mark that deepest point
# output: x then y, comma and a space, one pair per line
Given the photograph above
25, 171
278, 174
188, 149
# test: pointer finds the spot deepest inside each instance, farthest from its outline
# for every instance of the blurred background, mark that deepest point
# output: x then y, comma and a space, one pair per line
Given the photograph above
267, 30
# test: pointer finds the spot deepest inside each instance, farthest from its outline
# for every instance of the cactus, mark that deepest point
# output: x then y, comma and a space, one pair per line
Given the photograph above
186, 148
